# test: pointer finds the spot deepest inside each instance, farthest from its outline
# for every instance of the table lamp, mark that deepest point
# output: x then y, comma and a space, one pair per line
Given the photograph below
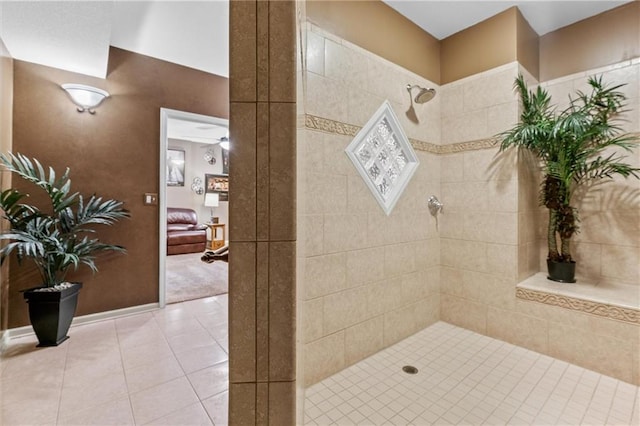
212, 200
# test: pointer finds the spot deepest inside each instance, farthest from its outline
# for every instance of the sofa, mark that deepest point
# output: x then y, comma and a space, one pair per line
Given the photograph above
184, 234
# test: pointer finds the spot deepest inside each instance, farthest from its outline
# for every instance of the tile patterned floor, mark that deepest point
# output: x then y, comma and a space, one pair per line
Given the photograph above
465, 378
167, 367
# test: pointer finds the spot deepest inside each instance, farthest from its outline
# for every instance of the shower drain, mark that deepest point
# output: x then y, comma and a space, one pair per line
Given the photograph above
410, 369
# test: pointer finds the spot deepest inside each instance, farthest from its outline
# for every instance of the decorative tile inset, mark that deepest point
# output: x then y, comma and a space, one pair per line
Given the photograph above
382, 154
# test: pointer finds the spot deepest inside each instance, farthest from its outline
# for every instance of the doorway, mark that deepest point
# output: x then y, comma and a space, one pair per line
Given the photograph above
193, 163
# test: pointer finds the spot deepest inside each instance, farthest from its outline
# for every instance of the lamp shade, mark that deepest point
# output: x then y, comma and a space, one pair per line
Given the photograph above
212, 200
85, 97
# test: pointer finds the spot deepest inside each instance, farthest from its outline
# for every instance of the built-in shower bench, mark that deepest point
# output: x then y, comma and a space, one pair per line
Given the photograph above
615, 301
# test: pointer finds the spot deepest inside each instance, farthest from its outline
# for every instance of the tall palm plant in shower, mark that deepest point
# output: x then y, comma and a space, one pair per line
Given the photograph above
574, 147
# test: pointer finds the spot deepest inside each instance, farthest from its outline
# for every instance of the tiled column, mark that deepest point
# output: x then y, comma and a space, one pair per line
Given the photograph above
262, 213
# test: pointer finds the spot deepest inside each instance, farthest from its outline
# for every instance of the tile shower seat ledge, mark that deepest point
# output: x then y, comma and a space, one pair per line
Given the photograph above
609, 293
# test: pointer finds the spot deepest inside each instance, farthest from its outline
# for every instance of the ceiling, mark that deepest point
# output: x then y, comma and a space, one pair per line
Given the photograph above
444, 18
75, 35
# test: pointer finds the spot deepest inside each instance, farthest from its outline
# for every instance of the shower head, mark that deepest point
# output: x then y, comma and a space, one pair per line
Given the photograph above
423, 96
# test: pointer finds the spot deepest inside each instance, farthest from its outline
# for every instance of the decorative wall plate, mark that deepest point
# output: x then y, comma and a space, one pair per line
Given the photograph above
382, 154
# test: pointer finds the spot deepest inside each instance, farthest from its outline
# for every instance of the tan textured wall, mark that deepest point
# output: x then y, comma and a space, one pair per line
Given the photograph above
484, 46
528, 46
114, 153
6, 111
605, 39
367, 280
379, 29
262, 212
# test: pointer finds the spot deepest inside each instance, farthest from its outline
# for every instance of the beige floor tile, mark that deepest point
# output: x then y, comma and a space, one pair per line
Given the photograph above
153, 373
180, 326
90, 393
29, 413
134, 321
160, 400
189, 341
192, 415
200, 358
23, 356
140, 355
218, 408
146, 334
210, 381
116, 412
41, 387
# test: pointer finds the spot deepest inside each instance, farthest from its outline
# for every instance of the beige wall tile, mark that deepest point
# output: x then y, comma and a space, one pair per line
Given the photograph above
336, 160
521, 330
359, 196
604, 354
489, 88
452, 167
282, 403
452, 102
470, 255
452, 280
282, 302
242, 312
427, 253
326, 194
464, 127
314, 234
324, 357
361, 105
621, 262
243, 157
313, 143
242, 42
345, 64
344, 309
464, 313
364, 339
489, 289
324, 97
502, 117
345, 232
315, 53
312, 320
502, 260
403, 322
242, 403
364, 266
399, 259
282, 51
324, 275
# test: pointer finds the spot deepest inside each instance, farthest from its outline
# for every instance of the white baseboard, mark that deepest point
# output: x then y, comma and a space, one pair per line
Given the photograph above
13, 333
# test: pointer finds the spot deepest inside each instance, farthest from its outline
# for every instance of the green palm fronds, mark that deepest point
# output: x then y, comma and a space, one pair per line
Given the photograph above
56, 239
571, 145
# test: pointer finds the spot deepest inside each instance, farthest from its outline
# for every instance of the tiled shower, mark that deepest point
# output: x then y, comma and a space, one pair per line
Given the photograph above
367, 280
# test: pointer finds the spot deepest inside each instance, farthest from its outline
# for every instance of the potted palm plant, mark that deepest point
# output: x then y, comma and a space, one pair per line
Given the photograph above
56, 238
576, 146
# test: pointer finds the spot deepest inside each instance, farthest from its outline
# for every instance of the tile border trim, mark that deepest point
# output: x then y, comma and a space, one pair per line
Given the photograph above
618, 313
328, 125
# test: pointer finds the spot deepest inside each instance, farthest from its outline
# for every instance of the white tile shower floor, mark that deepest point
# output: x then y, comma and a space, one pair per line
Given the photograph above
468, 379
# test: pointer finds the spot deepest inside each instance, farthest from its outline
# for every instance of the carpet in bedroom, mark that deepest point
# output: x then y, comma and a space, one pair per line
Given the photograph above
190, 278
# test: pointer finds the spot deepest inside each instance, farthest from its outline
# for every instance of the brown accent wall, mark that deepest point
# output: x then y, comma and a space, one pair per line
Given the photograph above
528, 46
604, 39
114, 153
6, 101
484, 46
378, 28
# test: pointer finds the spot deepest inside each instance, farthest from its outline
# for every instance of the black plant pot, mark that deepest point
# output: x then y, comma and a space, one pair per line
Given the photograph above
51, 313
562, 272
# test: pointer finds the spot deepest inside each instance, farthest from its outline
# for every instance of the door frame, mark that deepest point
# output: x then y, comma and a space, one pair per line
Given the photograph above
165, 115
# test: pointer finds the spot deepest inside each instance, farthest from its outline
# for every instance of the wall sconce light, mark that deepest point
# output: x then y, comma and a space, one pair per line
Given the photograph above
196, 186
212, 200
87, 98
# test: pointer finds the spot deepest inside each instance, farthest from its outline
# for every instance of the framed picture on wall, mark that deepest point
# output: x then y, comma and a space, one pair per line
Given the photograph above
175, 167
217, 184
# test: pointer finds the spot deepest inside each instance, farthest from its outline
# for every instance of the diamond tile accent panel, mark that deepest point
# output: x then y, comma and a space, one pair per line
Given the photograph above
382, 154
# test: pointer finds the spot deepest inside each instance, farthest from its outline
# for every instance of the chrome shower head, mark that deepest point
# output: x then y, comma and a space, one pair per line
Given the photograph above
424, 95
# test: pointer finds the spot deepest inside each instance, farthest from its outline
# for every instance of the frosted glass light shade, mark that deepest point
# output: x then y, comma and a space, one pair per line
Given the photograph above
87, 98
383, 156
212, 200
